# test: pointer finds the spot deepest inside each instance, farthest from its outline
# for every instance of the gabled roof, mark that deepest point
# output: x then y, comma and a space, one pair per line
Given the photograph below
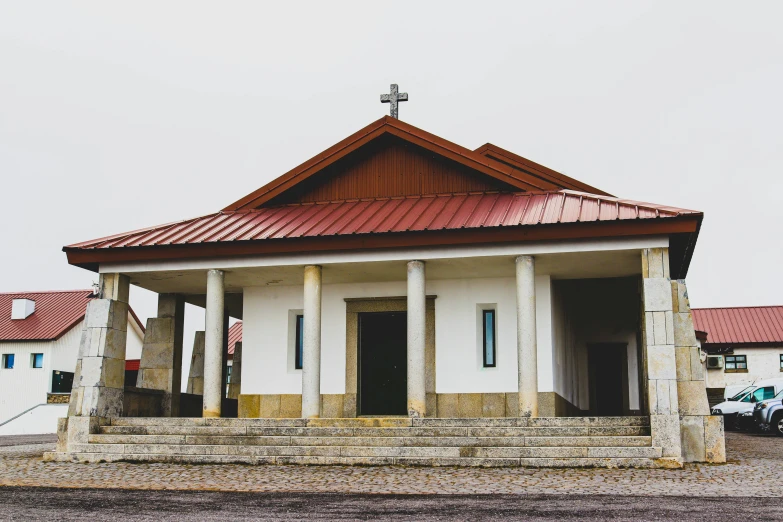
531, 203
56, 312
741, 326
532, 178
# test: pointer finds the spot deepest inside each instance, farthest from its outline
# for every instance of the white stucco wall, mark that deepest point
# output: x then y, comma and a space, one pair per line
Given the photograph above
24, 386
763, 363
267, 332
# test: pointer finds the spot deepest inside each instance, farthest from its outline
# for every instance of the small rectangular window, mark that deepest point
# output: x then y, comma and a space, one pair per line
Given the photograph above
736, 363
36, 360
781, 363
490, 336
8, 361
299, 346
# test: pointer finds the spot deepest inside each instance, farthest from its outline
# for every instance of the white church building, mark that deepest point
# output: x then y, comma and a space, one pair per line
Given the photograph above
481, 308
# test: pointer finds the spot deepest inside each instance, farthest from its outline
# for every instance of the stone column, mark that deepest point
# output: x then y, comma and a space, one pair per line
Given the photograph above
196, 375
701, 434
235, 387
527, 349
160, 367
99, 379
658, 352
311, 359
213, 343
417, 305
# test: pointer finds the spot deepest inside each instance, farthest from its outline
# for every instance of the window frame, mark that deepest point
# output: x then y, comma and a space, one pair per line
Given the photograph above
735, 360
298, 341
8, 357
32, 361
493, 313
781, 362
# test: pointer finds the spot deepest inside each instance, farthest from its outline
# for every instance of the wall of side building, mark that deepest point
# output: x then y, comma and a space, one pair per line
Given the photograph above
763, 363
24, 387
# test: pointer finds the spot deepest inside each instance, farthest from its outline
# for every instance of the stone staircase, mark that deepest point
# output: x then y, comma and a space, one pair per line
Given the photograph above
540, 442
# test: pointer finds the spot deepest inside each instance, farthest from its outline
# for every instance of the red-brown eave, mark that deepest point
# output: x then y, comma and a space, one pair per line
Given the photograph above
437, 220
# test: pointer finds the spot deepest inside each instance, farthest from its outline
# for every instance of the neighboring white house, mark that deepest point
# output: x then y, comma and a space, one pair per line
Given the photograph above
39, 345
742, 345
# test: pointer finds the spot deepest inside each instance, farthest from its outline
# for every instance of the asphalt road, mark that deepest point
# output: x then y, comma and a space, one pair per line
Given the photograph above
112, 504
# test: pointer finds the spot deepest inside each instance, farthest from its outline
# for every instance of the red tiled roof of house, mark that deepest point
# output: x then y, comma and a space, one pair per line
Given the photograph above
737, 326
55, 313
234, 336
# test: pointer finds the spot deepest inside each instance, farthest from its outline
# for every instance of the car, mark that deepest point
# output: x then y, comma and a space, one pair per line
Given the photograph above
768, 415
744, 402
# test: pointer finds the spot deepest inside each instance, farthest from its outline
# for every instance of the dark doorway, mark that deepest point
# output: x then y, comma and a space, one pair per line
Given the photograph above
383, 371
608, 378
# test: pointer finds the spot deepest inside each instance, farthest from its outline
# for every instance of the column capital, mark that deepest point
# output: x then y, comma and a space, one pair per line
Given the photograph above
215, 271
525, 259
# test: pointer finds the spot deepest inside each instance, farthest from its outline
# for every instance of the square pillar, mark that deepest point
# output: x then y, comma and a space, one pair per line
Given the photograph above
658, 352
160, 367
99, 379
701, 434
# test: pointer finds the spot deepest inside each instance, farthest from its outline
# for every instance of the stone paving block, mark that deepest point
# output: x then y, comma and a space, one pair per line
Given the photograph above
158, 421
411, 432
364, 422
489, 422
627, 431
258, 423
136, 439
239, 441
385, 451
665, 430
525, 452
530, 431
300, 432
645, 452
614, 441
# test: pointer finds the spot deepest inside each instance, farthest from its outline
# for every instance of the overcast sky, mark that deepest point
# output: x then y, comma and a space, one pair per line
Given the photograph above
119, 116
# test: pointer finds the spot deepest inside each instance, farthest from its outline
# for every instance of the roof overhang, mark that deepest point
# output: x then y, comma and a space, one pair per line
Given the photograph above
682, 230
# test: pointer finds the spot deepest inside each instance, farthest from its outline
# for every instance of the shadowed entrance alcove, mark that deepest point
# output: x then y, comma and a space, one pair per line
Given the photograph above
383, 305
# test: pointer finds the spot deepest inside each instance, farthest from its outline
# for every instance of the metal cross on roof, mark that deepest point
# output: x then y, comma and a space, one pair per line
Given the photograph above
393, 98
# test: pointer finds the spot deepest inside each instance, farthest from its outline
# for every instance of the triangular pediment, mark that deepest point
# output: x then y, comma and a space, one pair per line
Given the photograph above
390, 158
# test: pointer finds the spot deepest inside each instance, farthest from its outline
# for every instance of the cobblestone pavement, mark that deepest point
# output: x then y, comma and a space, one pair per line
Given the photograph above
755, 469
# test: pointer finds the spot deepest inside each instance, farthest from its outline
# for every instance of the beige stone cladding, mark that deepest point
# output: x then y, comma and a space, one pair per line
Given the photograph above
659, 360
701, 434
446, 405
160, 367
98, 384
196, 374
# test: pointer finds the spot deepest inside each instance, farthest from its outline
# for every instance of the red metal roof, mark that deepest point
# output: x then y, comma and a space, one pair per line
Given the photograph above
56, 312
234, 336
390, 215
753, 325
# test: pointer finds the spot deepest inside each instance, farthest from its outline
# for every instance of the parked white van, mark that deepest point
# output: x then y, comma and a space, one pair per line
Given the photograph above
743, 402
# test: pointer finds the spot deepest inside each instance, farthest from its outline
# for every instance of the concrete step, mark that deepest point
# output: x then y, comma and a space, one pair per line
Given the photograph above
389, 441
389, 422
366, 461
375, 451
452, 431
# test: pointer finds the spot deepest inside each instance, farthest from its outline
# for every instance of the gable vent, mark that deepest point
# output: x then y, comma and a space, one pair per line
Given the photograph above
22, 308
